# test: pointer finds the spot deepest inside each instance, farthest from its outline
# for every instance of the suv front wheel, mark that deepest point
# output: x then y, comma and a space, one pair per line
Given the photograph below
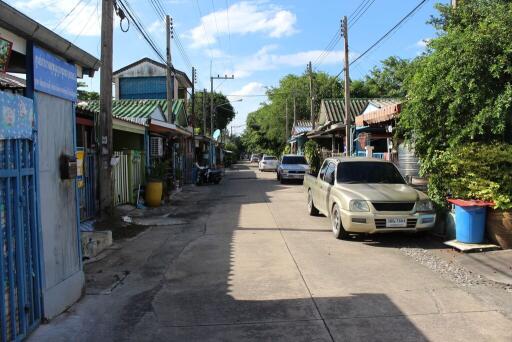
337, 225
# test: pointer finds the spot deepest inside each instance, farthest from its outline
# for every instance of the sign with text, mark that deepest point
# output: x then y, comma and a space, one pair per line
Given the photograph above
53, 75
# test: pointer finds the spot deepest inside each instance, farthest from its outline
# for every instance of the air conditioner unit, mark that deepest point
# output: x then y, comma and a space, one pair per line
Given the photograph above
156, 147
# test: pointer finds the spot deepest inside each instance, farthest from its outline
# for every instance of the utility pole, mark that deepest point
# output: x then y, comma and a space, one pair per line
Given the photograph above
212, 111
194, 80
286, 128
348, 118
204, 112
168, 24
311, 96
454, 3
104, 143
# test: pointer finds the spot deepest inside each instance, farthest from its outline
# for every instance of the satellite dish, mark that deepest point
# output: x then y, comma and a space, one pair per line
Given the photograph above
216, 134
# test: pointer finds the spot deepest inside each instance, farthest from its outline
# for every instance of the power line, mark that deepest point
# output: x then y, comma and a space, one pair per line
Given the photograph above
138, 25
358, 8
361, 13
68, 14
389, 32
95, 9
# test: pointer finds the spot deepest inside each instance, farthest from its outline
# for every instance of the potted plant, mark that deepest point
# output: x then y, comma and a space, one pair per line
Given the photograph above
479, 172
154, 186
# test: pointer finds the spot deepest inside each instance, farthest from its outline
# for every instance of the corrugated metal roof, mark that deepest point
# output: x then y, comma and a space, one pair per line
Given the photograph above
9, 81
334, 109
302, 126
134, 108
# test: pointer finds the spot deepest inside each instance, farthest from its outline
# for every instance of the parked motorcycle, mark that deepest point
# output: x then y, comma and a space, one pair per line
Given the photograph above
207, 175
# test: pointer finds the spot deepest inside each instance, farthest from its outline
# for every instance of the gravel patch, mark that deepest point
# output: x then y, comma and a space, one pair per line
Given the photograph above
451, 270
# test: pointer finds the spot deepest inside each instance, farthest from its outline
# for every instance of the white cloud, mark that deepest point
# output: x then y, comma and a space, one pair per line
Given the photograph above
423, 43
265, 59
85, 20
156, 26
251, 88
244, 17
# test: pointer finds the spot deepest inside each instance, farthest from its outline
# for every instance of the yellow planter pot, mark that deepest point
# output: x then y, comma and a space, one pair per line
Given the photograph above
154, 193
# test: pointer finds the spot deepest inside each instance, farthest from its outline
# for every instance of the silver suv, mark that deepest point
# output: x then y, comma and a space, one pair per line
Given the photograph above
292, 166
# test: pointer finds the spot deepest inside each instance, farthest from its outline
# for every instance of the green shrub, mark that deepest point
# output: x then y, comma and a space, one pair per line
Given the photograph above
473, 171
312, 154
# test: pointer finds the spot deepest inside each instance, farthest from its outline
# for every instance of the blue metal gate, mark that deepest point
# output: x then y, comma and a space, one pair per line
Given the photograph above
86, 192
20, 280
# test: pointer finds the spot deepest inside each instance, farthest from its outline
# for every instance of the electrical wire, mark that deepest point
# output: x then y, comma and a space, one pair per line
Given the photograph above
390, 31
361, 13
139, 26
68, 14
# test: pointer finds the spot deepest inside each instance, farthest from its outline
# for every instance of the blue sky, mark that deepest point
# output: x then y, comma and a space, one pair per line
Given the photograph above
258, 41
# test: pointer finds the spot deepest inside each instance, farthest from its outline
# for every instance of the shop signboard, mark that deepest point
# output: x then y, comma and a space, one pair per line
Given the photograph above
54, 76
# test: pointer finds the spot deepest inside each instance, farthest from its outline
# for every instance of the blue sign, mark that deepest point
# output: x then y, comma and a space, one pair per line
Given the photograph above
16, 116
54, 76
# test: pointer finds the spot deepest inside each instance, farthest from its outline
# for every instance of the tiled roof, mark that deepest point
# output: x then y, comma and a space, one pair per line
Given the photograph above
9, 81
334, 109
302, 126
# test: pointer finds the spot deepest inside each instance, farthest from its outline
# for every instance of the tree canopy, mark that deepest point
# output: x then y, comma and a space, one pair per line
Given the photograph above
461, 89
265, 130
223, 109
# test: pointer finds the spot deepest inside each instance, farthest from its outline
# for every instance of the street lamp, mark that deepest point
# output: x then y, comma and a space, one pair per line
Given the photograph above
215, 111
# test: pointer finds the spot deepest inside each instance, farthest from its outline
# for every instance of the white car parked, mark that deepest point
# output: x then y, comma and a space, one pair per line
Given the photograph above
268, 163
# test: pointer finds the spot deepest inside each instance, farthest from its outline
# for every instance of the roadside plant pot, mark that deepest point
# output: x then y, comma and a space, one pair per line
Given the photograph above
499, 227
154, 190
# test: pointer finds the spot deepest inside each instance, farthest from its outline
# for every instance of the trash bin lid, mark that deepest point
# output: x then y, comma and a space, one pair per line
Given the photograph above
470, 203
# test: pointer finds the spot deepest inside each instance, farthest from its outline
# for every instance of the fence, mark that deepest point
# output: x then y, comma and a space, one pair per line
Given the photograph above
20, 290
127, 175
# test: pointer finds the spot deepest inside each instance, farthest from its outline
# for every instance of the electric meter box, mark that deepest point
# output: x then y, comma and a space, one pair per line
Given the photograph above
68, 167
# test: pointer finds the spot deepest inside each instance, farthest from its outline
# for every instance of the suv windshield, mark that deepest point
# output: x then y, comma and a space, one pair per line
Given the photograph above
368, 172
269, 158
294, 160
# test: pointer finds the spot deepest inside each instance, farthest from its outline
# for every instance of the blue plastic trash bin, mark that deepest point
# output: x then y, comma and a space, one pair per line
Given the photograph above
470, 224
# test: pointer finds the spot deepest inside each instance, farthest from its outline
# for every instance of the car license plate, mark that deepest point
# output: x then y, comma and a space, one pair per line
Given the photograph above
396, 222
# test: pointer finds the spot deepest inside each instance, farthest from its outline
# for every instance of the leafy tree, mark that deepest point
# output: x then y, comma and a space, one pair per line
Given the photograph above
460, 91
266, 130
84, 95
387, 80
223, 109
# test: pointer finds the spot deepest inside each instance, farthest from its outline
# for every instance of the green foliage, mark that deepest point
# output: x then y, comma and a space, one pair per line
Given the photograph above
312, 154
473, 171
384, 81
224, 111
266, 131
460, 91
287, 149
84, 95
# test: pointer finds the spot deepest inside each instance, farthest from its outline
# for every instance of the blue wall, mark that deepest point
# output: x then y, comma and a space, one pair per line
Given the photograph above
142, 87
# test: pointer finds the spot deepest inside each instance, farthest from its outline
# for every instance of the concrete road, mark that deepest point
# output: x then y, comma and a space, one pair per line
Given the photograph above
253, 266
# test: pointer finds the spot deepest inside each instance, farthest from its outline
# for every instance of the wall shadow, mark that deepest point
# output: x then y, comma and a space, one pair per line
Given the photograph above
234, 284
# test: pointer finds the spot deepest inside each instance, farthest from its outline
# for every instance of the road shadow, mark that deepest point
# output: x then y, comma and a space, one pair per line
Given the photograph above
238, 283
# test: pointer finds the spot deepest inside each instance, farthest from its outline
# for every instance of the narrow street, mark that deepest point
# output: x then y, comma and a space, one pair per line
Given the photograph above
250, 264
